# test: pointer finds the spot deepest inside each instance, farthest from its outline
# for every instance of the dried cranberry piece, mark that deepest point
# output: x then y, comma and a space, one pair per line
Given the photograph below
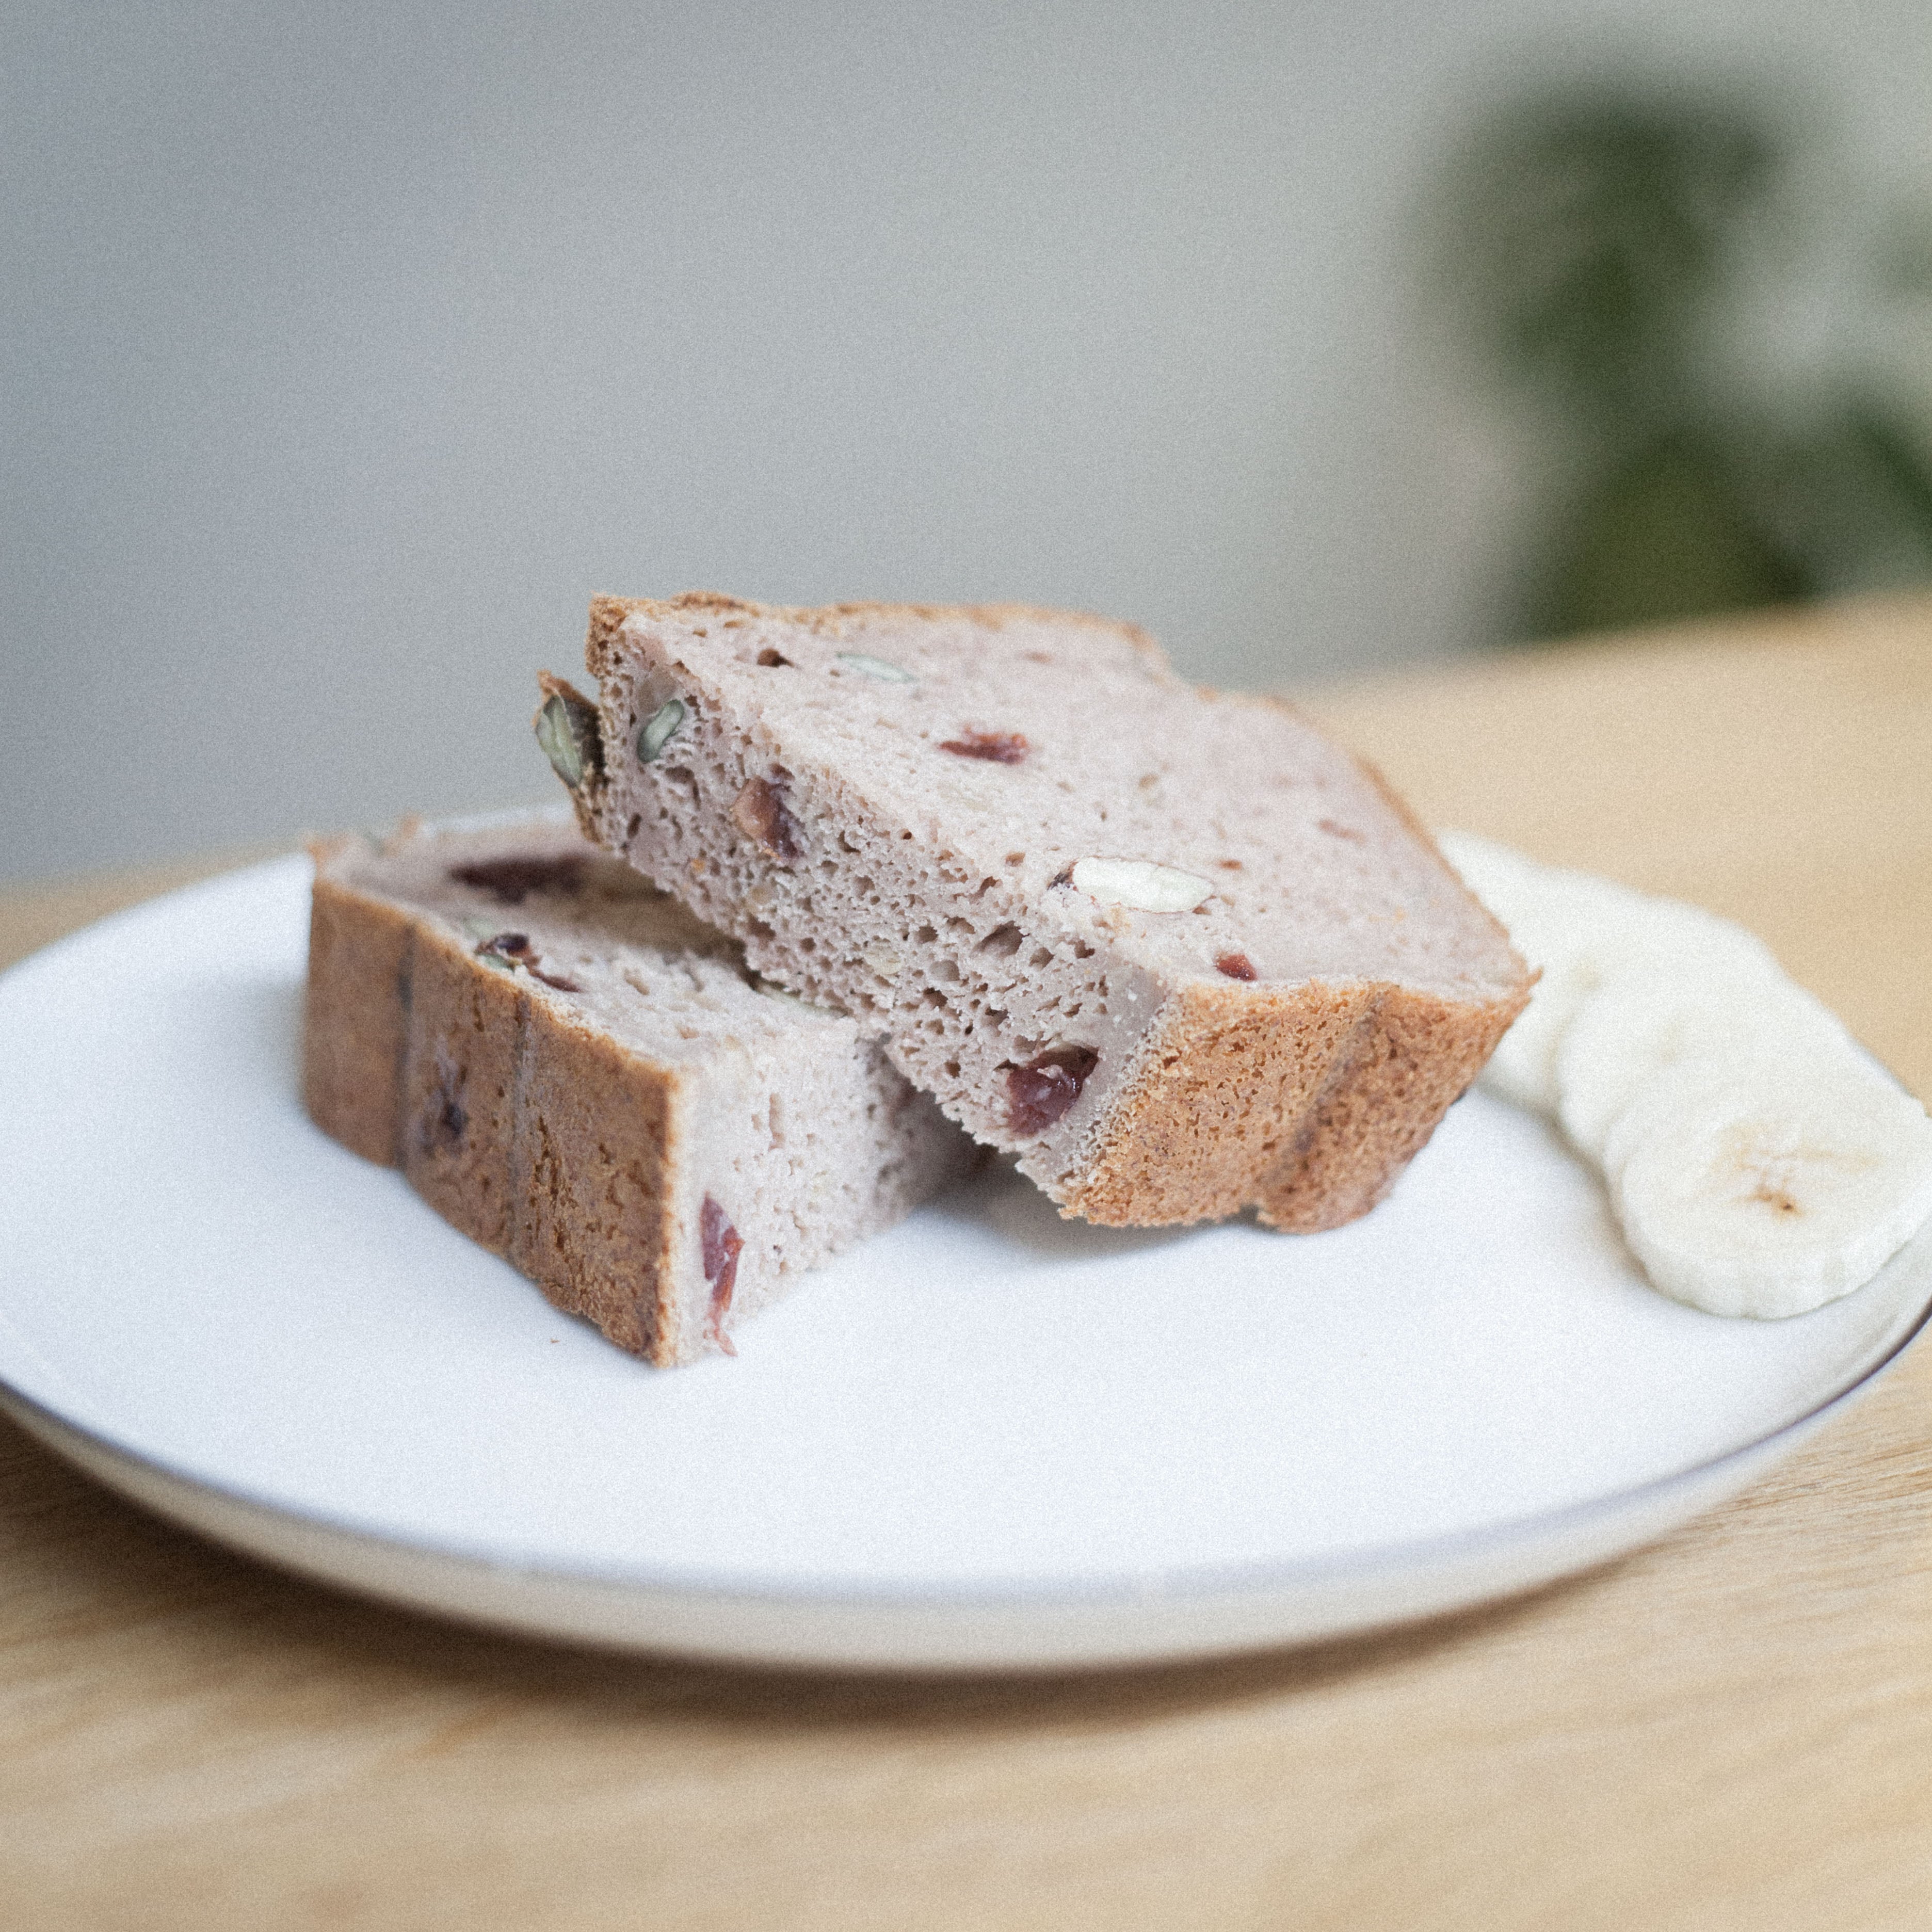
516, 948
722, 1245
997, 748
1040, 1092
760, 812
509, 881
1237, 966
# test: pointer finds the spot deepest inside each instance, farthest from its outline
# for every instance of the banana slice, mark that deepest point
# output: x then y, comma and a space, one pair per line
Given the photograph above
1485, 867
1768, 1189
1759, 1163
1581, 933
1547, 918
1735, 1011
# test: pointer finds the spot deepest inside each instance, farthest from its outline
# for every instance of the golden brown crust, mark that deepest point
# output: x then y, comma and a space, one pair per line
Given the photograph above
1304, 1103
1223, 1087
1409, 1058
594, 1173
532, 1134
355, 1015
461, 1083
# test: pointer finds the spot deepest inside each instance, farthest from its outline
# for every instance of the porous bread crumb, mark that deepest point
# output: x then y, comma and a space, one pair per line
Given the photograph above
578, 1075
812, 807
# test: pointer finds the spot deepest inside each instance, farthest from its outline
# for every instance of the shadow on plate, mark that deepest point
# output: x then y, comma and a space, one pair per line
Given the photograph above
1003, 1203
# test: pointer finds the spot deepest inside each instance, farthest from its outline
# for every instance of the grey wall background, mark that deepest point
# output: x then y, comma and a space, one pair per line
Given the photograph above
347, 349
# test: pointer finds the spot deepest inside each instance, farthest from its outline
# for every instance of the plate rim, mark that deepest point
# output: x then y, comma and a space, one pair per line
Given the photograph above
1660, 1502
1177, 1585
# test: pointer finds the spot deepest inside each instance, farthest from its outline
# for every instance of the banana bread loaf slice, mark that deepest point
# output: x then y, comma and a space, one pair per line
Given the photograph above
573, 1071
1176, 948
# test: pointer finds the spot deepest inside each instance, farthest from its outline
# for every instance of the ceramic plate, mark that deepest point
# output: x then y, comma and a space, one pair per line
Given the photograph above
990, 1439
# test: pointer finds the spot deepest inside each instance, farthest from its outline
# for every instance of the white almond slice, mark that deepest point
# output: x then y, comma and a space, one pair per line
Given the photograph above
1652, 1016
1140, 885
1769, 1190
878, 668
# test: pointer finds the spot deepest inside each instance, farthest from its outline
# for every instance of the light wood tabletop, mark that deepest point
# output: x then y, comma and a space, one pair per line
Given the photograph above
1731, 1729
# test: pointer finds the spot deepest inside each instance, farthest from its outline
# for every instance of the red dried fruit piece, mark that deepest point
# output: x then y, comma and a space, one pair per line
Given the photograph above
511, 880
759, 812
722, 1246
1237, 966
997, 748
515, 947
1039, 1093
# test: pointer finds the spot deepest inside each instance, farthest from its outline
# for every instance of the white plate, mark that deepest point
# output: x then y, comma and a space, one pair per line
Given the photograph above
990, 1439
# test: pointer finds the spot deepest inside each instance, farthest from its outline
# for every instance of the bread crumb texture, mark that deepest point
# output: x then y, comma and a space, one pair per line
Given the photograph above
1176, 951
583, 1078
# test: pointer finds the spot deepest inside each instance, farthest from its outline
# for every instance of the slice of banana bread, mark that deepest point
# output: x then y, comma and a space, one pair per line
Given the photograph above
1177, 948
573, 1071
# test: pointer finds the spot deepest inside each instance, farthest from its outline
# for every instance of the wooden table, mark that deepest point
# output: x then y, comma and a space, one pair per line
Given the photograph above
1732, 1729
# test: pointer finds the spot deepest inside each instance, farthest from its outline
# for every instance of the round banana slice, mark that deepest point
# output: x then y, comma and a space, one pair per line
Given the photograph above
1563, 925
1523, 1067
1487, 868
1768, 1189
1581, 933
1737, 1011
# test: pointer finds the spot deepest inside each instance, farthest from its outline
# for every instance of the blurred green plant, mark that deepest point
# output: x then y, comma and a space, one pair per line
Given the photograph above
1597, 249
